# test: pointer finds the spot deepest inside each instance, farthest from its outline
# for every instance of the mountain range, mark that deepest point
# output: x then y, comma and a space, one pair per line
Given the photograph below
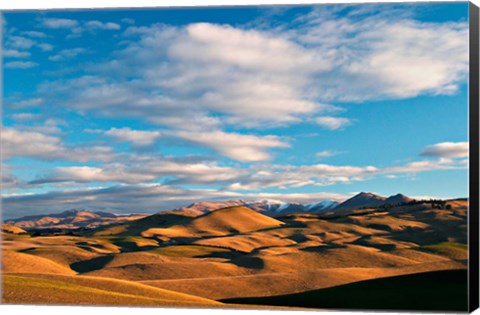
71, 219
74, 219
276, 208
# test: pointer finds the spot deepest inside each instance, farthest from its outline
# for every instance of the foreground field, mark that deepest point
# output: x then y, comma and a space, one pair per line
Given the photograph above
239, 255
52, 289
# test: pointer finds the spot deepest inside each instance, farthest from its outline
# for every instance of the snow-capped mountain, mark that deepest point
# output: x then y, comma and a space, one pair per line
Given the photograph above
278, 208
320, 206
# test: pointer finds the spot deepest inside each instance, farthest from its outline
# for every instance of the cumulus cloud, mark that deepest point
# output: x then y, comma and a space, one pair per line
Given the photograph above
67, 54
19, 42
239, 183
137, 137
34, 34
424, 166
384, 53
145, 169
45, 46
261, 78
240, 147
76, 27
290, 176
36, 145
20, 64
80, 174
447, 150
326, 154
11, 53
102, 25
24, 103
332, 123
227, 74
22, 117
59, 23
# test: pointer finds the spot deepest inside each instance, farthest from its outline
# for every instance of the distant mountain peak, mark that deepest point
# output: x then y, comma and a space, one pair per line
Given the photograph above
363, 199
368, 195
398, 199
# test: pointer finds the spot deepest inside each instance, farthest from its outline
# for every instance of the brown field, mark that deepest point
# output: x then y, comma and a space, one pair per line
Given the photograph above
195, 259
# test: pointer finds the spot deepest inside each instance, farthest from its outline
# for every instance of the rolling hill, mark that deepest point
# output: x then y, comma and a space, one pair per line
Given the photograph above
226, 221
237, 252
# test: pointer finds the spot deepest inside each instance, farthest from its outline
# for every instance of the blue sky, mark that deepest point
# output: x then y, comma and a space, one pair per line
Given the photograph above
146, 110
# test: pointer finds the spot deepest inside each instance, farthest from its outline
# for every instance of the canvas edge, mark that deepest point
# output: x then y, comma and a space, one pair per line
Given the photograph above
473, 213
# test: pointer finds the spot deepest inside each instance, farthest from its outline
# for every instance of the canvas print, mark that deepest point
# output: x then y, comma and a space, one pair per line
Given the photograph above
273, 157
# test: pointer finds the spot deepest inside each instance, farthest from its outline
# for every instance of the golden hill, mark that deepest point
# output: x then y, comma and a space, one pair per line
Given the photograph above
234, 252
226, 221
12, 229
14, 262
54, 289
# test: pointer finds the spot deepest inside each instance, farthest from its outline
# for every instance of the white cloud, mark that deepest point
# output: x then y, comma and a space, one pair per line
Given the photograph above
128, 21
36, 145
227, 74
26, 116
34, 34
112, 173
25, 103
102, 25
326, 154
247, 49
447, 150
59, 23
19, 42
67, 54
428, 165
332, 123
290, 176
20, 64
45, 46
240, 147
145, 169
385, 54
15, 53
137, 137
223, 75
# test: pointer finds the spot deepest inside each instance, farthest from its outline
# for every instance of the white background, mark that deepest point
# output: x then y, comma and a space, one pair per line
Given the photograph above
62, 310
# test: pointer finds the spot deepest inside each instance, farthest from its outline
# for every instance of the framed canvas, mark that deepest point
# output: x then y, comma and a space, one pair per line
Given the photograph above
274, 157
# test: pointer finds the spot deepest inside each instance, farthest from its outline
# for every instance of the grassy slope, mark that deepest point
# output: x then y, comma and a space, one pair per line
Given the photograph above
221, 222
75, 290
438, 290
13, 262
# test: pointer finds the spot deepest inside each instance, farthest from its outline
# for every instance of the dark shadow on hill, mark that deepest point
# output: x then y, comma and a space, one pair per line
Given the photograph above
226, 255
129, 246
420, 236
91, 264
428, 291
366, 241
322, 248
248, 262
